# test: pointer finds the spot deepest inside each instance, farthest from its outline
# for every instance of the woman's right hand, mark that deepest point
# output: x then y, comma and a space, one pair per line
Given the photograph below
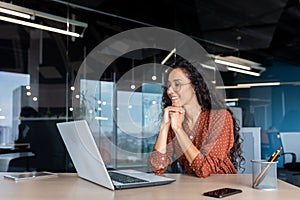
161, 141
168, 118
169, 111
167, 115
165, 124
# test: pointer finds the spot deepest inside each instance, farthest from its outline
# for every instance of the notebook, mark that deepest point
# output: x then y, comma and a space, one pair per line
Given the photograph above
89, 164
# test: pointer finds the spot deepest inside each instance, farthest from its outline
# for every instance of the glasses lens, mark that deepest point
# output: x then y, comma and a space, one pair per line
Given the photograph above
175, 86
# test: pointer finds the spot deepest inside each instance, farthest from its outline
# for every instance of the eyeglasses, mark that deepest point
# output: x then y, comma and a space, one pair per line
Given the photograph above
176, 86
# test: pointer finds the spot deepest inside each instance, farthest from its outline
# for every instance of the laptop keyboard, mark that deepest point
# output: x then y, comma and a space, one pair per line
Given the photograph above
124, 178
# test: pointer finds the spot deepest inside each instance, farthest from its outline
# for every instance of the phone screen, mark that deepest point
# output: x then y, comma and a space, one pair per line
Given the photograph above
223, 192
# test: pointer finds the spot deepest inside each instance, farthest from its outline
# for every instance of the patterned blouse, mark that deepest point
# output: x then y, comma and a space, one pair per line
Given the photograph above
213, 135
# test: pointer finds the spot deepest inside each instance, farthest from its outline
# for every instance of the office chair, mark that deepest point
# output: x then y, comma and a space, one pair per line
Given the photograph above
5, 159
290, 145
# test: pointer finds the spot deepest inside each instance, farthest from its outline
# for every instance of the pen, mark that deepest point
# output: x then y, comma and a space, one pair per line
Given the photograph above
273, 158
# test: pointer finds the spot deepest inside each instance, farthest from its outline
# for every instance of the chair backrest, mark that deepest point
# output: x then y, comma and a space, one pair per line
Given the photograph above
47, 145
290, 143
270, 142
6, 158
250, 146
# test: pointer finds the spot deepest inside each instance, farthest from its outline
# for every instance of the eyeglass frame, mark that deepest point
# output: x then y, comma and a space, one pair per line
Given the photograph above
178, 82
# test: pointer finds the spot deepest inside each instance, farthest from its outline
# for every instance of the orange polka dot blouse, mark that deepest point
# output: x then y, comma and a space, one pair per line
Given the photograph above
214, 137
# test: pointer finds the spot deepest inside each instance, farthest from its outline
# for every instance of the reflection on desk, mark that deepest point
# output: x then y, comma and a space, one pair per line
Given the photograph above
69, 186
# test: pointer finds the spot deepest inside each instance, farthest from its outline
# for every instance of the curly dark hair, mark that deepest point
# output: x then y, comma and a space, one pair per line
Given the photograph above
208, 100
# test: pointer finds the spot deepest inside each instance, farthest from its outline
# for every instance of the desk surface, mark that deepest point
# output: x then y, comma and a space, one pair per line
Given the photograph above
69, 186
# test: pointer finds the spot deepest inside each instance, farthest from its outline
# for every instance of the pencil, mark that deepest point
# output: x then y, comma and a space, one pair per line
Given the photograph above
274, 157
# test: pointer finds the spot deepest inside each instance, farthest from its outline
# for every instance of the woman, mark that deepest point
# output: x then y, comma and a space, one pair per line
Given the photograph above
200, 129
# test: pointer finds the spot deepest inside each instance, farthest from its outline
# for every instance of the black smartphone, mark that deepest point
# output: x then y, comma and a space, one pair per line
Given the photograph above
223, 192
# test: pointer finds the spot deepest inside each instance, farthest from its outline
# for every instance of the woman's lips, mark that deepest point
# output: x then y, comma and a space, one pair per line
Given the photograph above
175, 100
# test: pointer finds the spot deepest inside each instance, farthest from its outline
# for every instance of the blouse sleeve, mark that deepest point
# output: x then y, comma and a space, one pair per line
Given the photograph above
214, 156
160, 162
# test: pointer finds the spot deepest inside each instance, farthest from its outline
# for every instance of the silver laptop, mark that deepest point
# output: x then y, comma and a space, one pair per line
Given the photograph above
89, 165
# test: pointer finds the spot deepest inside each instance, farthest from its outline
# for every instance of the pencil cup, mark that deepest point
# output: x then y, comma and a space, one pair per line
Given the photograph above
264, 175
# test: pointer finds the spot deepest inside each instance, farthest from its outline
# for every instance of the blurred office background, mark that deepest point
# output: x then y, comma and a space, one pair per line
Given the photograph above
38, 70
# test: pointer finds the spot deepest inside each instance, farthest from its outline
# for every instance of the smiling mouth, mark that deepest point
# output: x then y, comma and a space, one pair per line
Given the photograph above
174, 98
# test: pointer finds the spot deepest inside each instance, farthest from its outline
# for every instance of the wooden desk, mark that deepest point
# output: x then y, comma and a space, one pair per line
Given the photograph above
69, 186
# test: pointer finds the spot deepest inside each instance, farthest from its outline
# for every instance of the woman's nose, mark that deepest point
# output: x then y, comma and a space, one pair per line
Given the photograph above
170, 90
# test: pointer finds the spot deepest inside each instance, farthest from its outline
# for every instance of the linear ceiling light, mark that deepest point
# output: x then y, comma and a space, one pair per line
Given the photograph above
240, 65
233, 99
243, 71
39, 26
259, 84
208, 67
249, 85
168, 56
232, 87
18, 11
15, 13
223, 62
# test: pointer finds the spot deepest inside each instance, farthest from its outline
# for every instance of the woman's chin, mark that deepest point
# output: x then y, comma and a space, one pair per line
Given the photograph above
176, 104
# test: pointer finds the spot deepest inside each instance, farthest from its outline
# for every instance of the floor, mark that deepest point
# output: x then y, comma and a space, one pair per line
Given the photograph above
292, 177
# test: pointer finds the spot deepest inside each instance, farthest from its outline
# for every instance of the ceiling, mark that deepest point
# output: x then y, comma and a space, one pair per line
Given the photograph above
262, 30
259, 30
